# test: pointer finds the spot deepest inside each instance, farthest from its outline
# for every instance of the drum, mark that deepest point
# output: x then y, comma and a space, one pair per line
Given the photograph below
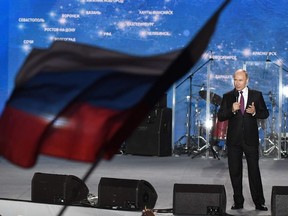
220, 130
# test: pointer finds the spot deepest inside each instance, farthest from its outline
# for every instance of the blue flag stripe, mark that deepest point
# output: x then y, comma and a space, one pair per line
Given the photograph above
107, 89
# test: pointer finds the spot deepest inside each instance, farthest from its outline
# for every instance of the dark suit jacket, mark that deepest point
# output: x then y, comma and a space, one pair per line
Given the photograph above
242, 127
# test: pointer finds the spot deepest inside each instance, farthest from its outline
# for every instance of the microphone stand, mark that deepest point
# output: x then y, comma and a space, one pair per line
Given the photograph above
188, 124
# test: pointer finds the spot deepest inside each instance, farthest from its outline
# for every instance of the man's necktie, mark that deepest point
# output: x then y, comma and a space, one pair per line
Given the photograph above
242, 104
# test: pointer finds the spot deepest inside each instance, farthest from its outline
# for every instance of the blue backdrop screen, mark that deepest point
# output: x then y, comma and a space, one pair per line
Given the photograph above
247, 30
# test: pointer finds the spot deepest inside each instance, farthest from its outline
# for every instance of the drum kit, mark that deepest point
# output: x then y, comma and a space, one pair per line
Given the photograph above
199, 143
217, 133
219, 129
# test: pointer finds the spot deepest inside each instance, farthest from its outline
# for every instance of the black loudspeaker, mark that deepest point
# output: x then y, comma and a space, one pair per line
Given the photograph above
126, 194
153, 136
199, 199
58, 189
279, 201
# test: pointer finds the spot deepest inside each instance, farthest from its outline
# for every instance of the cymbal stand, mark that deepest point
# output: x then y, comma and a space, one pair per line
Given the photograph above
197, 123
205, 148
189, 102
273, 136
187, 147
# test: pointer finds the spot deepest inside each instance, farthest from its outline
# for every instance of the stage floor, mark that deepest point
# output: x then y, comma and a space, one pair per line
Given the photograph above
161, 172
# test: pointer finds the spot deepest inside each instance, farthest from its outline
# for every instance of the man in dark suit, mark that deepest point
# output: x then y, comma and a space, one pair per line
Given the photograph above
242, 107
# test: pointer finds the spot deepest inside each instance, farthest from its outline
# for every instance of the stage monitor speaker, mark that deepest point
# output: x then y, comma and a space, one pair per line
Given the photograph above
153, 136
279, 201
199, 199
58, 189
126, 194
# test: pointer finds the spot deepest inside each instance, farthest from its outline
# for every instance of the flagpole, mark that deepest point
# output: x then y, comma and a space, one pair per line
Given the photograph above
84, 179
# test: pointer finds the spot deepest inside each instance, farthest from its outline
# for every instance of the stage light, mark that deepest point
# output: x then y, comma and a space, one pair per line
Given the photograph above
285, 91
209, 124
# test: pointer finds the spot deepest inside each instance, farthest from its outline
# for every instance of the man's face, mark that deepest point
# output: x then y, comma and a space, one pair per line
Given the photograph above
240, 80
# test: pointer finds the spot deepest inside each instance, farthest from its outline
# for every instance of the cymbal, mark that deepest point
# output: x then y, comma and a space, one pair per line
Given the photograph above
214, 98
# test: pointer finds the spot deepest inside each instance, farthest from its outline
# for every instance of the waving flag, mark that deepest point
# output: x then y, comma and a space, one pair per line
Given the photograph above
81, 102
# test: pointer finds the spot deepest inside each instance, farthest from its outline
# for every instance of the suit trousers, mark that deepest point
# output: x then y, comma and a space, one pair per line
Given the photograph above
235, 163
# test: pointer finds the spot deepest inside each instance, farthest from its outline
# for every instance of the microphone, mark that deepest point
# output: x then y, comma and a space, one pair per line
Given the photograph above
236, 94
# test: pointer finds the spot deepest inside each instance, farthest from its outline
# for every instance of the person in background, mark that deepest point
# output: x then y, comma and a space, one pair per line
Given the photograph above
242, 107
